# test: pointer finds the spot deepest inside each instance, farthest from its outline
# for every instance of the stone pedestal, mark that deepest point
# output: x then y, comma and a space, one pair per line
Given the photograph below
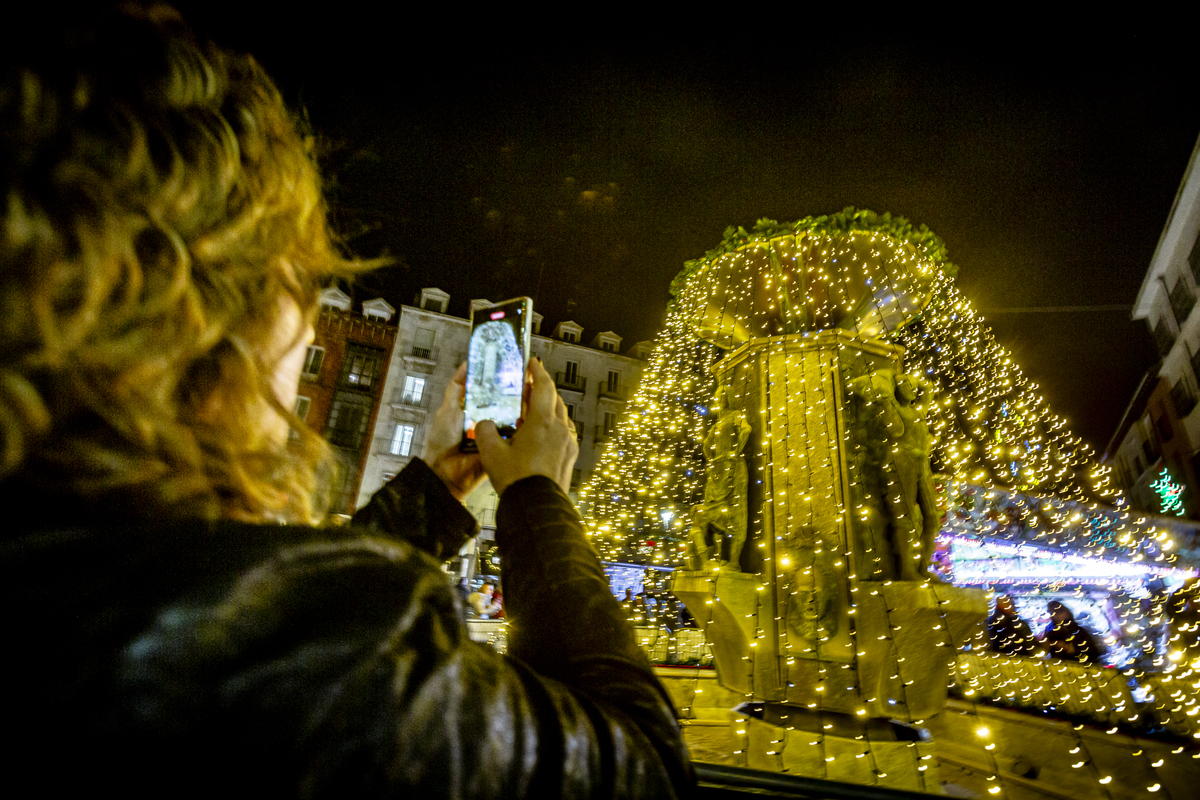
726, 605
837, 747
910, 632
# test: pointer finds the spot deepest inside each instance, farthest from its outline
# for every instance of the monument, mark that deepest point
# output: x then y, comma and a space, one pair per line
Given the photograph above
811, 552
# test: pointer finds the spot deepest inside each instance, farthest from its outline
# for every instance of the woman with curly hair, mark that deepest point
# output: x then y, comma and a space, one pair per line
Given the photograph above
162, 215
179, 621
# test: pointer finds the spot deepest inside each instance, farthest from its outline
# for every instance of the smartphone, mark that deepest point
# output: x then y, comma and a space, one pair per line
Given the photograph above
496, 362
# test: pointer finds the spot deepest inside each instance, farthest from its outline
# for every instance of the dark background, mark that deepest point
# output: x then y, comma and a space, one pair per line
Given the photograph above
583, 170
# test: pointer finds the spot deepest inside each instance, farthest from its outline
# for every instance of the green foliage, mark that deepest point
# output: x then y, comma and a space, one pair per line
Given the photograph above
849, 220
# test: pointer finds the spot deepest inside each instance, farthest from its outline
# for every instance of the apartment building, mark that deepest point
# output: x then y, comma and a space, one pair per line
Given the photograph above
1158, 438
594, 379
341, 384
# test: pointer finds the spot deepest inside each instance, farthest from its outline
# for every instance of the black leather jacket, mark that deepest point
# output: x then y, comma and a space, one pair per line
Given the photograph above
192, 658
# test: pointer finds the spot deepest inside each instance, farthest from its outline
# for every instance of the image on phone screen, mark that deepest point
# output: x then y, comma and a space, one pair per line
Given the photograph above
496, 360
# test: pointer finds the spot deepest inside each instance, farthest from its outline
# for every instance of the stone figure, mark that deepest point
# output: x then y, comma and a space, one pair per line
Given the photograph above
814, 593
725, 491
701, 550
907, 478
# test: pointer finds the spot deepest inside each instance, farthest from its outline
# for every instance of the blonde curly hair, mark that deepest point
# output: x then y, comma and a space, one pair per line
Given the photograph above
159, 203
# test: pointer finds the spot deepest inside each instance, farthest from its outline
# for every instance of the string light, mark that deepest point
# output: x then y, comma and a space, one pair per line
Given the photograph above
1170, 493
1027, 504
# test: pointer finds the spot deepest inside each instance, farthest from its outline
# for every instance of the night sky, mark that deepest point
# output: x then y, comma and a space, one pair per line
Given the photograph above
585, 173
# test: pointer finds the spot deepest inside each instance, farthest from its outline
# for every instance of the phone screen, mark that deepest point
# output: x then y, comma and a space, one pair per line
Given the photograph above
496, 360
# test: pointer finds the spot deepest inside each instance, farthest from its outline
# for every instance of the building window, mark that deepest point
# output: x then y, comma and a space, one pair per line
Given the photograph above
1162, 426
1196, 365
610, 422
414, 388
423, 343
348, 420
614, 380
1163, 337
608, 346
571, 373
1194, 260
1183, 398
312, 361
568, 336
570, 410
1182, 300
402, 440
1149, 443
301, 407
361, 368
576, 475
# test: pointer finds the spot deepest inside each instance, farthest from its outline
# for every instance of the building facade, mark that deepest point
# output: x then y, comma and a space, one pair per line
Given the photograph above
1157, 444
594, 380
341, 384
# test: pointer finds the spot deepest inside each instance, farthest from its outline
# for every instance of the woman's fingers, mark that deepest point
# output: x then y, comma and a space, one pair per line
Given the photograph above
543, 396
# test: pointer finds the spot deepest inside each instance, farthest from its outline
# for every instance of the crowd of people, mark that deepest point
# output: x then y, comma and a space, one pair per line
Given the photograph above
656, 606
1062, 638
485, 603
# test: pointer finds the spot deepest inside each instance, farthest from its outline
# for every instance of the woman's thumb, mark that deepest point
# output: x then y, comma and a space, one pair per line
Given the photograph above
487, 438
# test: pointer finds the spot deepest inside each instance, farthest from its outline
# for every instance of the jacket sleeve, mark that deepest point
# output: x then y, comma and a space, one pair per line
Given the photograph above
334, 664
416, 507
566, 625
573, 711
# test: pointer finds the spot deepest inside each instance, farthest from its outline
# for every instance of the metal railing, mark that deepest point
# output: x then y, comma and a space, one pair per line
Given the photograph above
423, 353
617, 392
383, 446
575, 383
407, 400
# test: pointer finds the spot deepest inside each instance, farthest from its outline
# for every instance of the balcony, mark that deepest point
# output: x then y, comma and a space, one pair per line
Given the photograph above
382, 445
572, 383
603, 434
420, 353
420, 359
611, 392
407, 400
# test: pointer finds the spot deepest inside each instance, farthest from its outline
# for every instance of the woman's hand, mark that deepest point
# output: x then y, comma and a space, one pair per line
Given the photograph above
461, 472
544, 444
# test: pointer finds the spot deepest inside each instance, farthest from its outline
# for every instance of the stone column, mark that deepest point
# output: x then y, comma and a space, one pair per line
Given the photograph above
810, 616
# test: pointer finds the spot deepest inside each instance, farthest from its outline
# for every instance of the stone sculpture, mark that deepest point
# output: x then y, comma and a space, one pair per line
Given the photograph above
725, 506
701, 549
907, 480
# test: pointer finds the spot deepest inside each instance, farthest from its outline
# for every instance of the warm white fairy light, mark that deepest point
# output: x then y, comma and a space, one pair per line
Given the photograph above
992, 430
